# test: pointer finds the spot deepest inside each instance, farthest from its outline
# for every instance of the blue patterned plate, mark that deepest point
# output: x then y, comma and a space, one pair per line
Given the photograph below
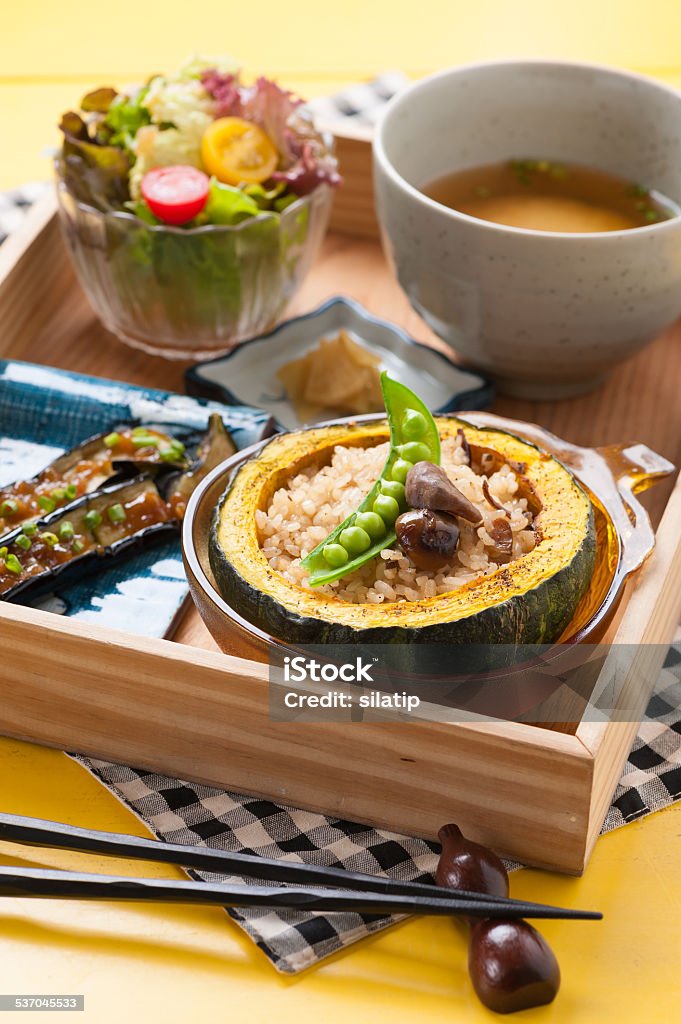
45, 411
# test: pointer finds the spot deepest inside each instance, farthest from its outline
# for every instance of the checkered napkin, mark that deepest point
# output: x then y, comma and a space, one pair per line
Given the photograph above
182, 812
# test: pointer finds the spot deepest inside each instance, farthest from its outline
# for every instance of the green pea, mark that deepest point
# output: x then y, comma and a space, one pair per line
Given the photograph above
335, 555
372, 523
355, 540
414, 451
387, 508
400, 470
394, 489
414, 425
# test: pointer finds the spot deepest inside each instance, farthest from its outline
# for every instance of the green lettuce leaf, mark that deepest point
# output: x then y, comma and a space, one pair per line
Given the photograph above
95, 174
227, 205
98, 101
125, 116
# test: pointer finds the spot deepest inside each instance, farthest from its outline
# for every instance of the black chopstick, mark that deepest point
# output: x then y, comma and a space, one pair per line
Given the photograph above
40, 832
41, 883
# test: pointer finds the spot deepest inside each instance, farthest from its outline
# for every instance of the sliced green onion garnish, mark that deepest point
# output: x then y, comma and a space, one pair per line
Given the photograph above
171, 453
112, 439
71, 491
30, 529
13, 564
49, 538
78, 545
59, 493
9, 507
116, 513
92, 519
4, 552
66, 530
46, 504
23, 542
145, 441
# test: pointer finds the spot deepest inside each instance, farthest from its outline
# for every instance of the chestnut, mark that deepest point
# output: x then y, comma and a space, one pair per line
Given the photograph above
428, 538
428, 486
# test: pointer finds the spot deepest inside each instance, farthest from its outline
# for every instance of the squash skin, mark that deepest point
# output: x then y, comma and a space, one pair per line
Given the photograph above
536, 615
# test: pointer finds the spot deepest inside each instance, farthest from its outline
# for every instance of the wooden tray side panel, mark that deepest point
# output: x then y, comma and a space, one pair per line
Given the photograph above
193, 714
649, 623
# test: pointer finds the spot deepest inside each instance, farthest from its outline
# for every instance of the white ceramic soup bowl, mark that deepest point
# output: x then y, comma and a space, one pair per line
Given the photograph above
547, 314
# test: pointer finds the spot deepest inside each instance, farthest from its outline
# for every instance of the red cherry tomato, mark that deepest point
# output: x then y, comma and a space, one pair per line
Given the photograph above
175, 194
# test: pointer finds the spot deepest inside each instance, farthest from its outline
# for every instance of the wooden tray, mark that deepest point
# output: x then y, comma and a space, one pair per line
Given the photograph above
184, 709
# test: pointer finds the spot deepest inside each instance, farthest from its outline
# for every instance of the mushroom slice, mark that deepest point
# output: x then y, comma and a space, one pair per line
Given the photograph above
428, 486
428, 538
492, 500
464, 444
502, 535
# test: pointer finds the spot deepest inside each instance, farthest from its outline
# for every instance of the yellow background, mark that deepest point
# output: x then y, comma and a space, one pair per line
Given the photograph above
52, 51
178, 964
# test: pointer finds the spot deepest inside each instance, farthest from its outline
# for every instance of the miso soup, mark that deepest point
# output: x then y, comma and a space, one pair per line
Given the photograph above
542, 195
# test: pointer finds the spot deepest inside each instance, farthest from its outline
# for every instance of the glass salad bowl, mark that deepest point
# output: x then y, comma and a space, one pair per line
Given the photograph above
191, 292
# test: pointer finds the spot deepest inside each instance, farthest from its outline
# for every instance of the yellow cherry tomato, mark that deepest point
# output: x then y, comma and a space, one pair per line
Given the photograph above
236, 151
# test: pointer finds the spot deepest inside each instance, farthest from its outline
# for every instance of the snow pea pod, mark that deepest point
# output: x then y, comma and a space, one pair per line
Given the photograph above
371, 527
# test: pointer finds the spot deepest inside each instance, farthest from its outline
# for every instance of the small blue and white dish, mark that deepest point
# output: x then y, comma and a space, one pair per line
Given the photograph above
247, 375
44, 411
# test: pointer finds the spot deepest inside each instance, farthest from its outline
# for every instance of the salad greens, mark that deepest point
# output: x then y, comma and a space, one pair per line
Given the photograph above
116, 138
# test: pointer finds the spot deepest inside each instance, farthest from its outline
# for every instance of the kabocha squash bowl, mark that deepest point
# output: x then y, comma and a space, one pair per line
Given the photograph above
567, 589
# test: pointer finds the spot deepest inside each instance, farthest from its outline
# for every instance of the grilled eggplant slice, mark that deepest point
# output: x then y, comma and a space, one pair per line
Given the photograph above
216, 446
102, 524
85, 468
107, 521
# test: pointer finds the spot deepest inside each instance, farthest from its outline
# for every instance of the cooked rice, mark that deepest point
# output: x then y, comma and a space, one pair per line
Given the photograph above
315, 501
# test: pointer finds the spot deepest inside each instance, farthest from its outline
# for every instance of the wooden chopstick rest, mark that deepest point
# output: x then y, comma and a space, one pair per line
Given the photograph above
511, 965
